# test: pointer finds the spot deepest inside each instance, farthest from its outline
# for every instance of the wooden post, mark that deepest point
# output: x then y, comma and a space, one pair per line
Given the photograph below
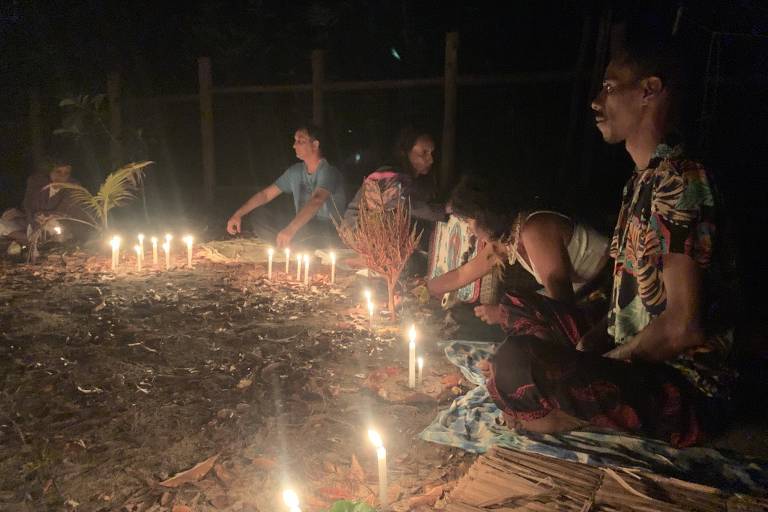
318, 77
115, 119
206, 128
36, 129
448, 164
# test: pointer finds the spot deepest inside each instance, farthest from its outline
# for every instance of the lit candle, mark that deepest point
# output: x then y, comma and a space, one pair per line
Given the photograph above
367, 295
291, 500
141, 245
370, 316
154, 250
188, 240
381, 455
137, 248
420, 375
57, 230
333, 267
168, 238
287, 262
115, 252
306, 269
167, 251
270, 253
412, 357
298, 267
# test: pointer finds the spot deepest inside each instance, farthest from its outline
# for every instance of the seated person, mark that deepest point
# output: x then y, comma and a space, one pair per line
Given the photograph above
43, 204
670, 374
317, 188
561, 254
410, 178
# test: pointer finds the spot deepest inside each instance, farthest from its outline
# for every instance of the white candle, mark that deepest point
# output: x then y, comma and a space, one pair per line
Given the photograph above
420, 374
57, 230
287, 262
298, 267
306, 269
270, 253
370, 316
137, 248
115, 242
188, 240
333, 267
291, 500
367, 295
141, 246
412, 357
168, 238
167, 251
154, 250
381, 455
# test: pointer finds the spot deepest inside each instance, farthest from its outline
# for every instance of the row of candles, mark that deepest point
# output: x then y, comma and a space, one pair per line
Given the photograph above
116, 241
300, 258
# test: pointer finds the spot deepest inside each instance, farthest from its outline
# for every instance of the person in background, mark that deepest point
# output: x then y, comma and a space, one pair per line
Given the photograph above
44, 203
317, 188
563, 255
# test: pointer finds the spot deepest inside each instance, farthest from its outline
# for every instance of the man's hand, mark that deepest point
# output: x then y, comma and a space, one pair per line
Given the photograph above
490, 314
284, 238
233, 225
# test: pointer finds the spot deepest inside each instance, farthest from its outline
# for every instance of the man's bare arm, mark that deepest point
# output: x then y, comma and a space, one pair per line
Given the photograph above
316, 201
676, 329
260, 198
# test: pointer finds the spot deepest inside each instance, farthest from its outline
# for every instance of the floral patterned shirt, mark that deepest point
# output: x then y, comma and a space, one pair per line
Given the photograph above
669, 207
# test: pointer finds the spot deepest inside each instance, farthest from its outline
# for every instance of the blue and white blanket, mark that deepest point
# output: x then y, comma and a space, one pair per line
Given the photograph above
473, 423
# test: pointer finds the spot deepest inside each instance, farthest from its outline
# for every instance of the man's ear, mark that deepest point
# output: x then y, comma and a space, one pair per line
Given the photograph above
652, 88
315, 144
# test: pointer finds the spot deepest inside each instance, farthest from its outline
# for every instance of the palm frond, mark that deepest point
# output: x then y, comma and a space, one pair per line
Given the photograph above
119, 187
83, 198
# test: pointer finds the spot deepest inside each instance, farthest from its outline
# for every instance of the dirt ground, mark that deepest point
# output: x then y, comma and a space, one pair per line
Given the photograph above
111, 385
214, 389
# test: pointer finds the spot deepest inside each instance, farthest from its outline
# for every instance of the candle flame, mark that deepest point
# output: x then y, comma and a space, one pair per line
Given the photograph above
188, 239
137, 248
115, 242
290, 498
333, 257
166, 246
298, 257
420, 362
271, 252
412, 334
306, 259
141, 237
375, 438
57, 230
154, 240
287, 253
168, 237
367, 294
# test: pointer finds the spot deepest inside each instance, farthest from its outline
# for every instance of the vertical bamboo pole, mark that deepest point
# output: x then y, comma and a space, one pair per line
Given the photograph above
448, 164
36, 128
206, 128
318, 76
115, 119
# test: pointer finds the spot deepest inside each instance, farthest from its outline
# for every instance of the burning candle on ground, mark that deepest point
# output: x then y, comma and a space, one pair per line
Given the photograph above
141, 246
137, 248
420, 374
287, 262
370, 316
115, 243
167, 251
367, 295
298, 267
412, 357
168, 238
270, 254
333, 267
57, 230
154, 250
306, 270
381, 455
291, 500
188, 240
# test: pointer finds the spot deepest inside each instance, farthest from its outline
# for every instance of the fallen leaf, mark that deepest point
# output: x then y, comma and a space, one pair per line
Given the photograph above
191, 475
427, 499
165, 498
264, 462
181, 508
223, 474
245, 382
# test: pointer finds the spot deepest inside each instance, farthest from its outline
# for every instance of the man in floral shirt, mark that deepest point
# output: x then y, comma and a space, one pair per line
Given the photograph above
669, 374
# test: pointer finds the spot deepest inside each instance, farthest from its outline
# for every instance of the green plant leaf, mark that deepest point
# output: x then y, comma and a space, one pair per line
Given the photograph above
351, 506
67, 102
